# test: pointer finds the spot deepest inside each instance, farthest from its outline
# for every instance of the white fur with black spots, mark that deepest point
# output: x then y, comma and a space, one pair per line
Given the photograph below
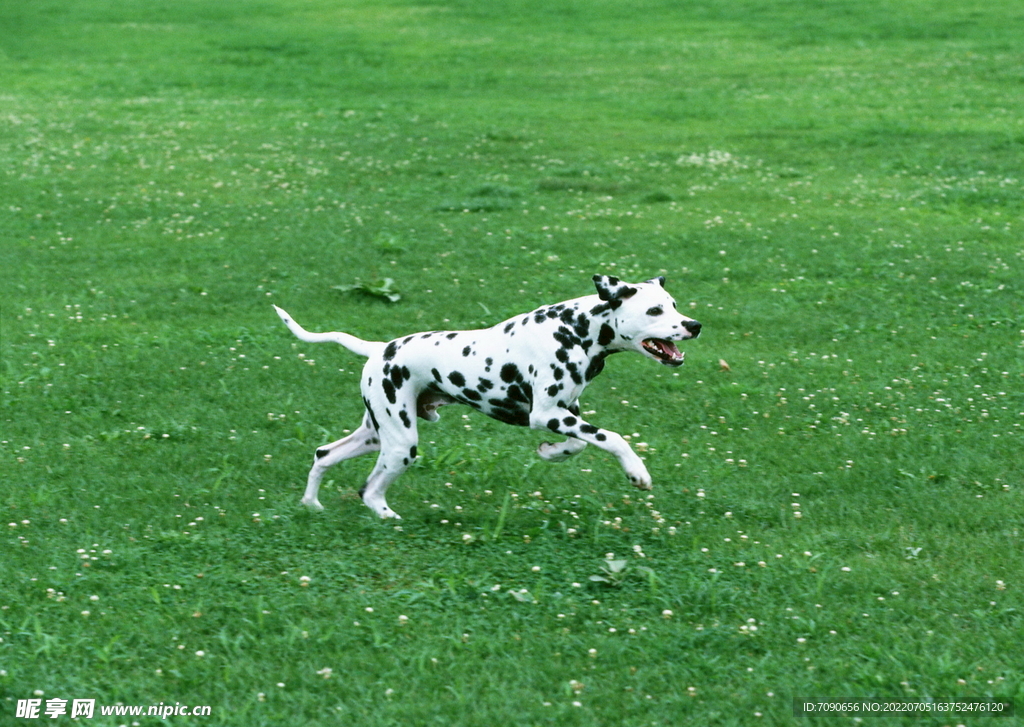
529, 370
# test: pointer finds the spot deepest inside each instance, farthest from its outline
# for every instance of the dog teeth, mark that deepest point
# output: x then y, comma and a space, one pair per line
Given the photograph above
662, 348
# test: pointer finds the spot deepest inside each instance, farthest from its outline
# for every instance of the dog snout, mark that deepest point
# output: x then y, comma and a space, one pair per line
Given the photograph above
692, 327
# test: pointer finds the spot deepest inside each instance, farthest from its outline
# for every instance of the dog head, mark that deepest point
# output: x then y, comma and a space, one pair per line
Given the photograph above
645, 318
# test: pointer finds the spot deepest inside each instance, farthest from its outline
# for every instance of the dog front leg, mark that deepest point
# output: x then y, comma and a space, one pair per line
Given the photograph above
564, 422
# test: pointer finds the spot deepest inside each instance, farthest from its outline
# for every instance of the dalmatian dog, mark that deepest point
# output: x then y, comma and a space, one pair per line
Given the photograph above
529, 370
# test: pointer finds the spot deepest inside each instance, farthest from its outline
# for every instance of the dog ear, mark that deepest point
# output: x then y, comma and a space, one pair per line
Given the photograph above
611, 288
660, 280
605, 286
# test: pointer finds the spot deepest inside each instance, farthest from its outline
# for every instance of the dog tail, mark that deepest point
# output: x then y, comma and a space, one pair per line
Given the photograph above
356, 345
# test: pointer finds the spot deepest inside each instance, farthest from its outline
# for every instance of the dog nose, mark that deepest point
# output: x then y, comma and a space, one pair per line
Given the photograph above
693, 327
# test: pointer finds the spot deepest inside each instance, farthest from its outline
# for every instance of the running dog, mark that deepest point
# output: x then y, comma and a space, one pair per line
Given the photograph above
529, 370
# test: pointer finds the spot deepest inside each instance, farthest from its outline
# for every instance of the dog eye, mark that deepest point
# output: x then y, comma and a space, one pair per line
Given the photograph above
655, 311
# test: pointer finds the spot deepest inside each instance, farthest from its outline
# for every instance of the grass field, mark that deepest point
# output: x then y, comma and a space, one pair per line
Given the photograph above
833, 189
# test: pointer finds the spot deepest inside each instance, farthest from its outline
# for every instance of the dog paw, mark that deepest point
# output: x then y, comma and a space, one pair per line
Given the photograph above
313, 504
640, 478
552, 452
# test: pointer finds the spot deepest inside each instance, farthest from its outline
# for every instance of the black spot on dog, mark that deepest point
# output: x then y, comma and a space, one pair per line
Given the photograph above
553, 425
373, 417
595, 367
456, 378
405, 419
606, 335
517, 394
466, 351
655, 311
450, 336
485, 385
582, 326
437, 375
519, 417
574, 373
412, 452
588, 429
390, 351
565, 337
569, 421
471, 394
397, 377
558, 372
508, 327
562, 355
320, 453
389, 390
554, 389
510, 373
600, 437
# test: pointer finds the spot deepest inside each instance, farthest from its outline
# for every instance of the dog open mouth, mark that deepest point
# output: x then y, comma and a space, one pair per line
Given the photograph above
664, 351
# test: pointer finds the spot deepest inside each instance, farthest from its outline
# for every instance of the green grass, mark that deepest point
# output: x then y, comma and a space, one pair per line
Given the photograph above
833, 189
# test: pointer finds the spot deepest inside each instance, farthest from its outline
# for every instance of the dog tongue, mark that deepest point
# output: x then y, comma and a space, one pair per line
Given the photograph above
667, 347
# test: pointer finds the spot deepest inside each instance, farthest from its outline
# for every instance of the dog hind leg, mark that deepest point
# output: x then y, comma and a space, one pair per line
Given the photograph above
394, 459
398, 440
560, 451
362, 441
